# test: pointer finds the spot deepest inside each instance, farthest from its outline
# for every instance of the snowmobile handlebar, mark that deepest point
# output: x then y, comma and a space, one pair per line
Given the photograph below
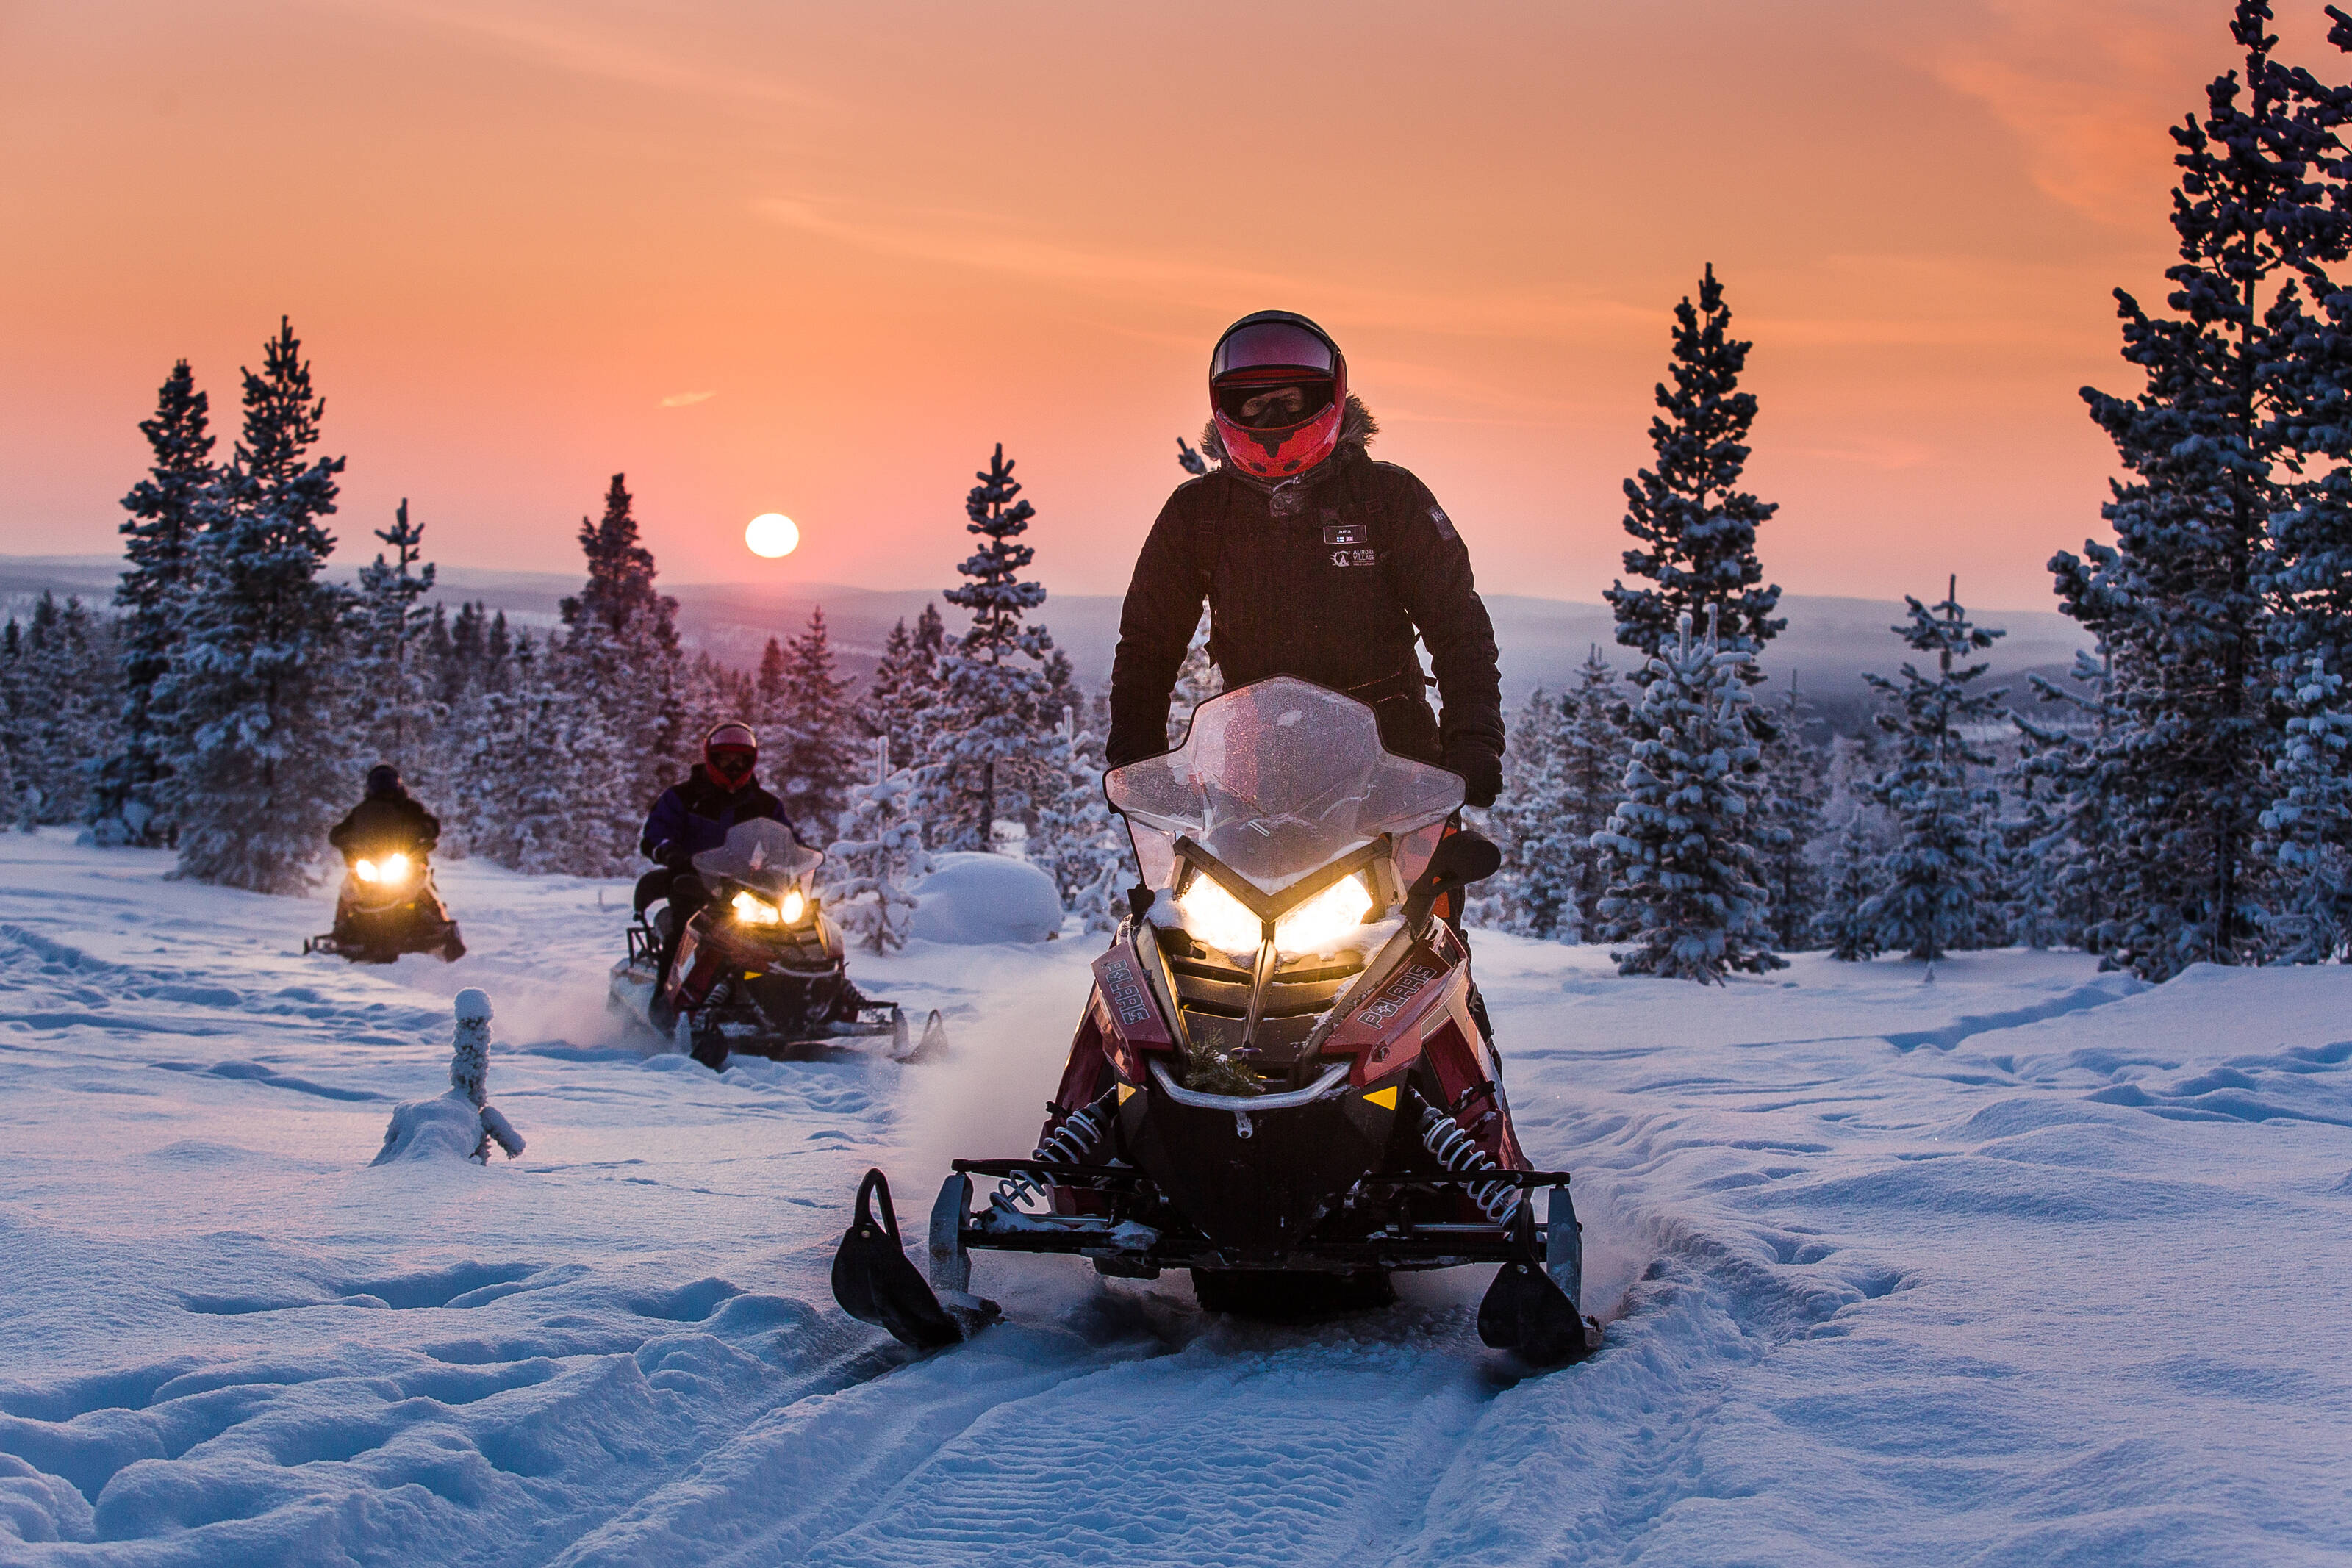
1290, 1100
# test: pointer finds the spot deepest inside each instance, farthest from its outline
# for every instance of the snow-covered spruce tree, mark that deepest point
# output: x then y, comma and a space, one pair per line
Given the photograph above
1516, 898
1844, 926
1682, 868
1197, 680
262, 760
1079, 841
393, 707
2306, 826
768, 685
1695, 527
987, 742
905, 684
1796, 791
620, 656
2176, 599
1942, 867
870, 874
159, 541
59, 704
1591, 749
813, 759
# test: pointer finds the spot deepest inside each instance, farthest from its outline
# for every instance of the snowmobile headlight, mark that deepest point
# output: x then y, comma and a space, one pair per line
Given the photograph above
393, 871
795, 904
753, 911
1324, 919
364, 869
1218, 918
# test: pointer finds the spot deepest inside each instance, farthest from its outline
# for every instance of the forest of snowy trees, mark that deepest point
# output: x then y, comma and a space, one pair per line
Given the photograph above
2186, 798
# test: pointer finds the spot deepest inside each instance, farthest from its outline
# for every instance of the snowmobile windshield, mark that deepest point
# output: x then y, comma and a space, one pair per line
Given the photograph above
762, 855
1277, 780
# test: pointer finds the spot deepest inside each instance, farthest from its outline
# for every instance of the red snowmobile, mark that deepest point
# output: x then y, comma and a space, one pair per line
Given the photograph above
759, 969
1281, 1081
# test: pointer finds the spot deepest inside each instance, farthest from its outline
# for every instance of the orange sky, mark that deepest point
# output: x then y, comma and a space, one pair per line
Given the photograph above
770, 255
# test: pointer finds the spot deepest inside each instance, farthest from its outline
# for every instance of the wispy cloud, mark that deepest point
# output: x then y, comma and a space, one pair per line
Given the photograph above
963, 240
563, 39
686, 400
2087, 90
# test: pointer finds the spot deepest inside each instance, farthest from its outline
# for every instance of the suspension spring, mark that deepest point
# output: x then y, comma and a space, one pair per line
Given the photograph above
1067, 1145
1452, 1147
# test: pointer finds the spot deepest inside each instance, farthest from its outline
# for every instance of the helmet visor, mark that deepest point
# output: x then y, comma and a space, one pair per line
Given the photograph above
1273, 345
732, 761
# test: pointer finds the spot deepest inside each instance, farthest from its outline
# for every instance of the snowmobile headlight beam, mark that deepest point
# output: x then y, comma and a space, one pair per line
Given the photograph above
364, 869
1217, 918
393, 871
794, 905
754, 911
1324, 919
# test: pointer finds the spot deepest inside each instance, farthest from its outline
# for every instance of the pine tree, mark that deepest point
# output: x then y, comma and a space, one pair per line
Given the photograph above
262, 764
2177, 600
626, 735
987, 739
1846, 926
814, 760
1697, 528
905, 684
159, 547
1795, 791
1683, 871
1197, 680
770, 682
1942, 867
870, 874
59, 707
2306, 825
395, 709
1080, 842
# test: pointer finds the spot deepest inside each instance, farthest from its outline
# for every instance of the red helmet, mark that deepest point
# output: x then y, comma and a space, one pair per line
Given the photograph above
729, 752
1260, 359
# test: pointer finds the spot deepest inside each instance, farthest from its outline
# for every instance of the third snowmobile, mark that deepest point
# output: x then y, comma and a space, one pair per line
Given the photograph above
388, 907
1282, 1080
759, 969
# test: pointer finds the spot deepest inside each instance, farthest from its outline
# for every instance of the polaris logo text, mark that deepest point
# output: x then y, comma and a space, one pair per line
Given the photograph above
1392, 997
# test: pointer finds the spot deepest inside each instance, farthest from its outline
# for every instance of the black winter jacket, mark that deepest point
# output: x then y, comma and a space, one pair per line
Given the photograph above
1333, 594
697, 815
382, 823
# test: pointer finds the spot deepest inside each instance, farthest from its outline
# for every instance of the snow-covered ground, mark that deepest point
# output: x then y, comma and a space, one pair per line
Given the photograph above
2026, 1265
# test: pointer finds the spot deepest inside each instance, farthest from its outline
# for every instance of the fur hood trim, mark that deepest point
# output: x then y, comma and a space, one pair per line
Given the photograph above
1356, 428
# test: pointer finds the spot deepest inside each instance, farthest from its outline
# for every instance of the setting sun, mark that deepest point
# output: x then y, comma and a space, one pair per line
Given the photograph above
773, 534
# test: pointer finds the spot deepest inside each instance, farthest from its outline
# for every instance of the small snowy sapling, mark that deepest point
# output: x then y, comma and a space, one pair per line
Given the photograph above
461, 1122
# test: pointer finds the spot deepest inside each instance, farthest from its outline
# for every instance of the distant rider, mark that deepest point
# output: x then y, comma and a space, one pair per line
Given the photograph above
388, 819
718, 795
1315, 562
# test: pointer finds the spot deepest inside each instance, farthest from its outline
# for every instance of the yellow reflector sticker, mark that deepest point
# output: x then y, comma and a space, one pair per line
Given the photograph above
1124, 1090
1384, 1098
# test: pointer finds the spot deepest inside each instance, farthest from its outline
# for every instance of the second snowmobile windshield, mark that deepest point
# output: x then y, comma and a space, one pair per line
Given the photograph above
761, 854
1276, 779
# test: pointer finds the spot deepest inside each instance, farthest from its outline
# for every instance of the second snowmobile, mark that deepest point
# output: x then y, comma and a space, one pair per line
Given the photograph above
759, 969
389, 905
1282, 1080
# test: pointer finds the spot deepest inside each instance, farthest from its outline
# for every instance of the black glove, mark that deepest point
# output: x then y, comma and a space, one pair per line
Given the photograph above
1481, 771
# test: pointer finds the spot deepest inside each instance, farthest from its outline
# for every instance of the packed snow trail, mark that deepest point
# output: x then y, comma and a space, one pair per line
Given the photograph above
2023, 1265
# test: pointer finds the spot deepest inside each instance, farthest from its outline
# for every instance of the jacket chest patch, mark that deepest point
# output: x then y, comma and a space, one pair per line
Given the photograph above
1346, 534
1355, 557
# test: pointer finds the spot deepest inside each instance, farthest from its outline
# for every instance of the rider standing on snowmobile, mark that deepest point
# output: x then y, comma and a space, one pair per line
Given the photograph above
1315, 561
389, 819
697, 815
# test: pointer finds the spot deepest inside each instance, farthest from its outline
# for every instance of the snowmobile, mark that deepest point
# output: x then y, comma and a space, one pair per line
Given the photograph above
760, 970
1282, 1079
388, 907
